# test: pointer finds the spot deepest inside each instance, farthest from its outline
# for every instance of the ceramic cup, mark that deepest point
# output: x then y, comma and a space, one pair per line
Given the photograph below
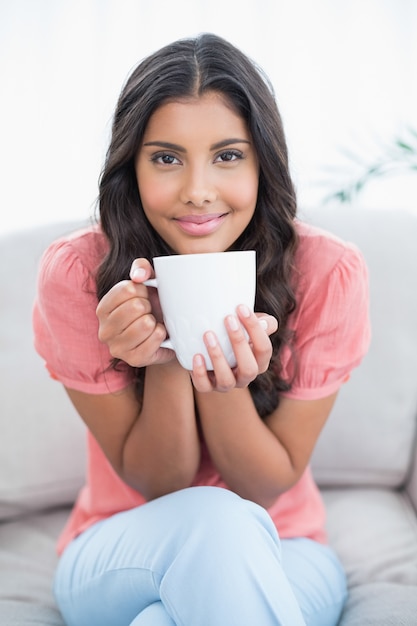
197, 292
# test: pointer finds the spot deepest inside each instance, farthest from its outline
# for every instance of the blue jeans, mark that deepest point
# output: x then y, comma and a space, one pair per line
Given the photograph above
202, 556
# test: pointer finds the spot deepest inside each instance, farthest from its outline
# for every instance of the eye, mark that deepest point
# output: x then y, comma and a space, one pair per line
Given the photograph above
229, 155
164, 158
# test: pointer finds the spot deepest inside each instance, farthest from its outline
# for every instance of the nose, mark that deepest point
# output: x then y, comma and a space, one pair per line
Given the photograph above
198, 186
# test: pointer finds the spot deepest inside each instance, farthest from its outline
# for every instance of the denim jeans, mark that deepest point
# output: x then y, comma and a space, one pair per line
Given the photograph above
202, 556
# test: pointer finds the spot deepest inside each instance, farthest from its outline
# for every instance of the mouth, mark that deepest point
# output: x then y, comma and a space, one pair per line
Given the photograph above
200, 225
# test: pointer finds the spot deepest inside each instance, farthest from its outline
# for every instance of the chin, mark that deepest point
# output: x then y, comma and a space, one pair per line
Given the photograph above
199, 247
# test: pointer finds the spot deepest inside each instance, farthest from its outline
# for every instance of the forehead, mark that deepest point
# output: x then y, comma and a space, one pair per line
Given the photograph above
210, 113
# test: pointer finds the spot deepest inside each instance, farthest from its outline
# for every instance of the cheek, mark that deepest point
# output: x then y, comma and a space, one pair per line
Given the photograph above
154, 196
243, 194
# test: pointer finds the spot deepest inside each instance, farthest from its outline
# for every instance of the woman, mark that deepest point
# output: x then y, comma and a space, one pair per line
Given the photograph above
199, 506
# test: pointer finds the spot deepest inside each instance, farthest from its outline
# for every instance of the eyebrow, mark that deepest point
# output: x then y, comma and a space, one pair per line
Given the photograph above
216, 146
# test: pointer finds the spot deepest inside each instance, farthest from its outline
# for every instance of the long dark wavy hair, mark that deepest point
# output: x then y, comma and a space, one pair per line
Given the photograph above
190, 68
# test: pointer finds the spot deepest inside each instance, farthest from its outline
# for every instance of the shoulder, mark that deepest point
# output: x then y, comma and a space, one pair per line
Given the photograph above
323, 261
88, 245
321, 249
331, 319
64, 317
72, 258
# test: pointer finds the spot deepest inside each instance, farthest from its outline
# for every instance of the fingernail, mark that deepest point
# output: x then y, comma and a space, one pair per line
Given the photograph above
198, 360
211, 339
264, 324
138, 273
232, 322
244, 310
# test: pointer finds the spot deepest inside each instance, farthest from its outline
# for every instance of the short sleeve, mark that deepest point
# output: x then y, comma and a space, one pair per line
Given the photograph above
331, 326
65, 324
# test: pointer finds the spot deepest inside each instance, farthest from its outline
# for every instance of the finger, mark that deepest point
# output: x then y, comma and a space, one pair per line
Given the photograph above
122, 316
150, 351
141, 270
258, 336
122, 292
223, 375
200, 376
132, 330
268, 322
119, 293
144, 352
247, 367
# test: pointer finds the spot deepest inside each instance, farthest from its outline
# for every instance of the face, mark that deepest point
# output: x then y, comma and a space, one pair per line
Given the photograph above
197, 174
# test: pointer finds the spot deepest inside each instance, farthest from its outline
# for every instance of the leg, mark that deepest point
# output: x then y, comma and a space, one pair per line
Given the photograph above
207, 555
153, 615
317, 579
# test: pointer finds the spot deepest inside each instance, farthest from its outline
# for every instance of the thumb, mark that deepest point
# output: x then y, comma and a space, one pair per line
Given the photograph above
141, 270
268, 322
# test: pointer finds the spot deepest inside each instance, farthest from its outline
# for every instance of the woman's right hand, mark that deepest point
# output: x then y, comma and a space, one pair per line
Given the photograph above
130, 320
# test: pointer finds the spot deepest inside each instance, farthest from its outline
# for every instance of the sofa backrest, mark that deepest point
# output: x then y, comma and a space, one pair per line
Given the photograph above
367, 440
42, 449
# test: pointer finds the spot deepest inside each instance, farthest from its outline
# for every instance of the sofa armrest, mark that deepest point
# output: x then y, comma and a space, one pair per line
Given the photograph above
411, 485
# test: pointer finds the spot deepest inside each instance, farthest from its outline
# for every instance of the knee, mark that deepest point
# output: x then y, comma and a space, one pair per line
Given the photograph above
217, 503
218, 511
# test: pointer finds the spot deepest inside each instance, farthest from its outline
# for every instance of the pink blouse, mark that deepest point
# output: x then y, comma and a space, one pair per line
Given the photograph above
332, 334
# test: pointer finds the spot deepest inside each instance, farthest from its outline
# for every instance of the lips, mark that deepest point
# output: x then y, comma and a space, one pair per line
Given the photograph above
202, 224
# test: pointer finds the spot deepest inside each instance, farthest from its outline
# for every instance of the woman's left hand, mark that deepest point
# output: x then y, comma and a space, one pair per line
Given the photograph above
253, 354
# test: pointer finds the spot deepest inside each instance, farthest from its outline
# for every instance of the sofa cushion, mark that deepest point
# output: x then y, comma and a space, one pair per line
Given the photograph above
381, 604
369, 437
42, 449
27, 564
411, 485
374, 532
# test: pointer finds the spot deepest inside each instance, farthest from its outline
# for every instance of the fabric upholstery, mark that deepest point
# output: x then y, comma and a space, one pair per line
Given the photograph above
369, 438
381, 604
365, 461
374, 531
41, 448
27, 563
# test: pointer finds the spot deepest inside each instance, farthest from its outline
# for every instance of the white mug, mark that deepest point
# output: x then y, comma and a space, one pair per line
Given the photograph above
197, 292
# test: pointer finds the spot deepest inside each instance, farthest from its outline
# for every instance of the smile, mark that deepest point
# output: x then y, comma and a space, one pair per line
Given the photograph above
200, 225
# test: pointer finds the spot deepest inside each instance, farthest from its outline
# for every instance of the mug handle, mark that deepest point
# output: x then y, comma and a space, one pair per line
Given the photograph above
152, 282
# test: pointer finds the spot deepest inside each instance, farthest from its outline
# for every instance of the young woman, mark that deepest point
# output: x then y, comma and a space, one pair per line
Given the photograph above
199, 507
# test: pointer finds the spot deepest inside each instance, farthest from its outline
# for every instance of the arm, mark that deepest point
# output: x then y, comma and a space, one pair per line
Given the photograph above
153, 448
153, 445
260, 459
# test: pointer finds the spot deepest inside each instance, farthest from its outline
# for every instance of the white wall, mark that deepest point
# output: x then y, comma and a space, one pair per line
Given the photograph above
344, 74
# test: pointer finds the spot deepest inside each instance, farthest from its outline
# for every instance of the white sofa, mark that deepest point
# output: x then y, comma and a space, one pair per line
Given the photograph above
365, 462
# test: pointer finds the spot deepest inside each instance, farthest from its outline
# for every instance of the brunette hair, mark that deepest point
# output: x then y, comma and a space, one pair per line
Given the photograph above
190, 68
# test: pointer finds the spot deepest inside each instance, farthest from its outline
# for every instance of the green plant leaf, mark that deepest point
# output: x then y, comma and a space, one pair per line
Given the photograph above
404, 146
400, 156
